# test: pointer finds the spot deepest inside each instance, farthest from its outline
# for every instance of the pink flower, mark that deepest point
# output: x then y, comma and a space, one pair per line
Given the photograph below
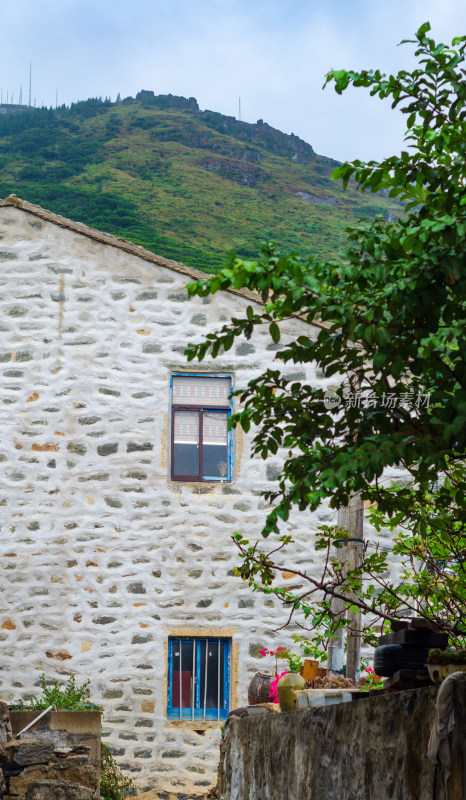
263, 652
273, 694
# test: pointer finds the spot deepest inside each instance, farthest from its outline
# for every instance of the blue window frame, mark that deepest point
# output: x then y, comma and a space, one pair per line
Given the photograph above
201, 443
198, 678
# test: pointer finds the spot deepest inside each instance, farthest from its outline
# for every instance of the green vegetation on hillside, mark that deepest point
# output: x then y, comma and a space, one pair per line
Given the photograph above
187, 184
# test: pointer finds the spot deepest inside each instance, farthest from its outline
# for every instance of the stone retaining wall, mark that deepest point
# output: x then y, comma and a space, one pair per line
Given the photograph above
371, 749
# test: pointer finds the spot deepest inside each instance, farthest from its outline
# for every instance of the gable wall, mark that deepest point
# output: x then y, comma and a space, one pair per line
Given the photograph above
102, 556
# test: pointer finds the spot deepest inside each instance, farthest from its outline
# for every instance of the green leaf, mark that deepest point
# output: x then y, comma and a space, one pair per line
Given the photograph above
274, 332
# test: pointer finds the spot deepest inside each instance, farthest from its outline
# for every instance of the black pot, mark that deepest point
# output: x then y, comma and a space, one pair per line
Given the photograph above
416, 657
388, 659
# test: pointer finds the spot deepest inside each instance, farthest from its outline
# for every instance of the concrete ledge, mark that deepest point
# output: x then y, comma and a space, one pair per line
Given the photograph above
310, 698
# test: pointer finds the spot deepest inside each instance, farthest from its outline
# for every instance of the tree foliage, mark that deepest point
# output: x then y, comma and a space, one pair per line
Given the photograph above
392, 317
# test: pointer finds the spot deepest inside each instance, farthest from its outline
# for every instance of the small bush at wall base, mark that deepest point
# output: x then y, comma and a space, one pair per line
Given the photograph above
113, 784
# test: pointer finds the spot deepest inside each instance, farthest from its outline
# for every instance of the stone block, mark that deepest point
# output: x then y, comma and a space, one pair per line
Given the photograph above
152, 348
199, 319
19, 783
84, 775
136, 588
77, 447
58, 790
112, 694
134, 447
143, 754
113, 502
4, 712
107, 449
57, 738
273, 472
25, 752
3, 734
244, 349
138, 638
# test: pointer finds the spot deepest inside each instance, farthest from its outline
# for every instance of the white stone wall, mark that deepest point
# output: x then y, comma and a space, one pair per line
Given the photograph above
102, 557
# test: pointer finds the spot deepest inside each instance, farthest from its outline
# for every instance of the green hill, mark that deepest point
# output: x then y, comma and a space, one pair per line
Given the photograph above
187, 184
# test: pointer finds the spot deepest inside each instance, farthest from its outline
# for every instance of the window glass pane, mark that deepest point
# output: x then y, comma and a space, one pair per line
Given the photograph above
209, 674
183, 650
215, 444
186, 443
199, 391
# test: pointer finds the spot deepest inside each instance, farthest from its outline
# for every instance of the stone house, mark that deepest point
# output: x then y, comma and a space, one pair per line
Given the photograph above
120, 490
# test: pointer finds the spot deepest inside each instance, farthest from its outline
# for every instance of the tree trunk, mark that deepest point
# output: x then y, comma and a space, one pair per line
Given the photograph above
353, 559
336, 648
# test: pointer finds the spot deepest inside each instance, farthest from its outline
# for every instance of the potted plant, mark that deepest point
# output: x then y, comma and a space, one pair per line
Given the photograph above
283, 687
442, 663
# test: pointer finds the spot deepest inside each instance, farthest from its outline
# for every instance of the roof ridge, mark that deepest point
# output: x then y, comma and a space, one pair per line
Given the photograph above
99, 236
126, 246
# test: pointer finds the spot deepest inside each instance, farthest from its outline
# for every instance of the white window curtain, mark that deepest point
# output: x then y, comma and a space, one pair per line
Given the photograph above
215, 428
186, 427
196, 390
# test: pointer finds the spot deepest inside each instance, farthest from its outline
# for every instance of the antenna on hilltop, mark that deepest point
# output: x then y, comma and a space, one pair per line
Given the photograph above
20, 103
30, 83
239, 108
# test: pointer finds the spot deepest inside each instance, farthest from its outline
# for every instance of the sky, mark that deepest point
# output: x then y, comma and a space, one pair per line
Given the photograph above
273, 54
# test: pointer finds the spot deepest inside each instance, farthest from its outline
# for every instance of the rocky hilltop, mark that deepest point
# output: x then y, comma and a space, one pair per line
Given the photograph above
186, 183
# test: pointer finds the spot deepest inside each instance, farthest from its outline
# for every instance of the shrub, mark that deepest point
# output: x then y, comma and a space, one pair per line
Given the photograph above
113, 784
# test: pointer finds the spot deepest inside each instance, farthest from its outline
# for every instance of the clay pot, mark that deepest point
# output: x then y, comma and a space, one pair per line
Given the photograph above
286, 688
438, 672
259, 689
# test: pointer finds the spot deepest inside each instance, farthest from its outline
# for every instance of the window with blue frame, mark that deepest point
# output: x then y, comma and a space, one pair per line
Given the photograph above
198, 678
201, 444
